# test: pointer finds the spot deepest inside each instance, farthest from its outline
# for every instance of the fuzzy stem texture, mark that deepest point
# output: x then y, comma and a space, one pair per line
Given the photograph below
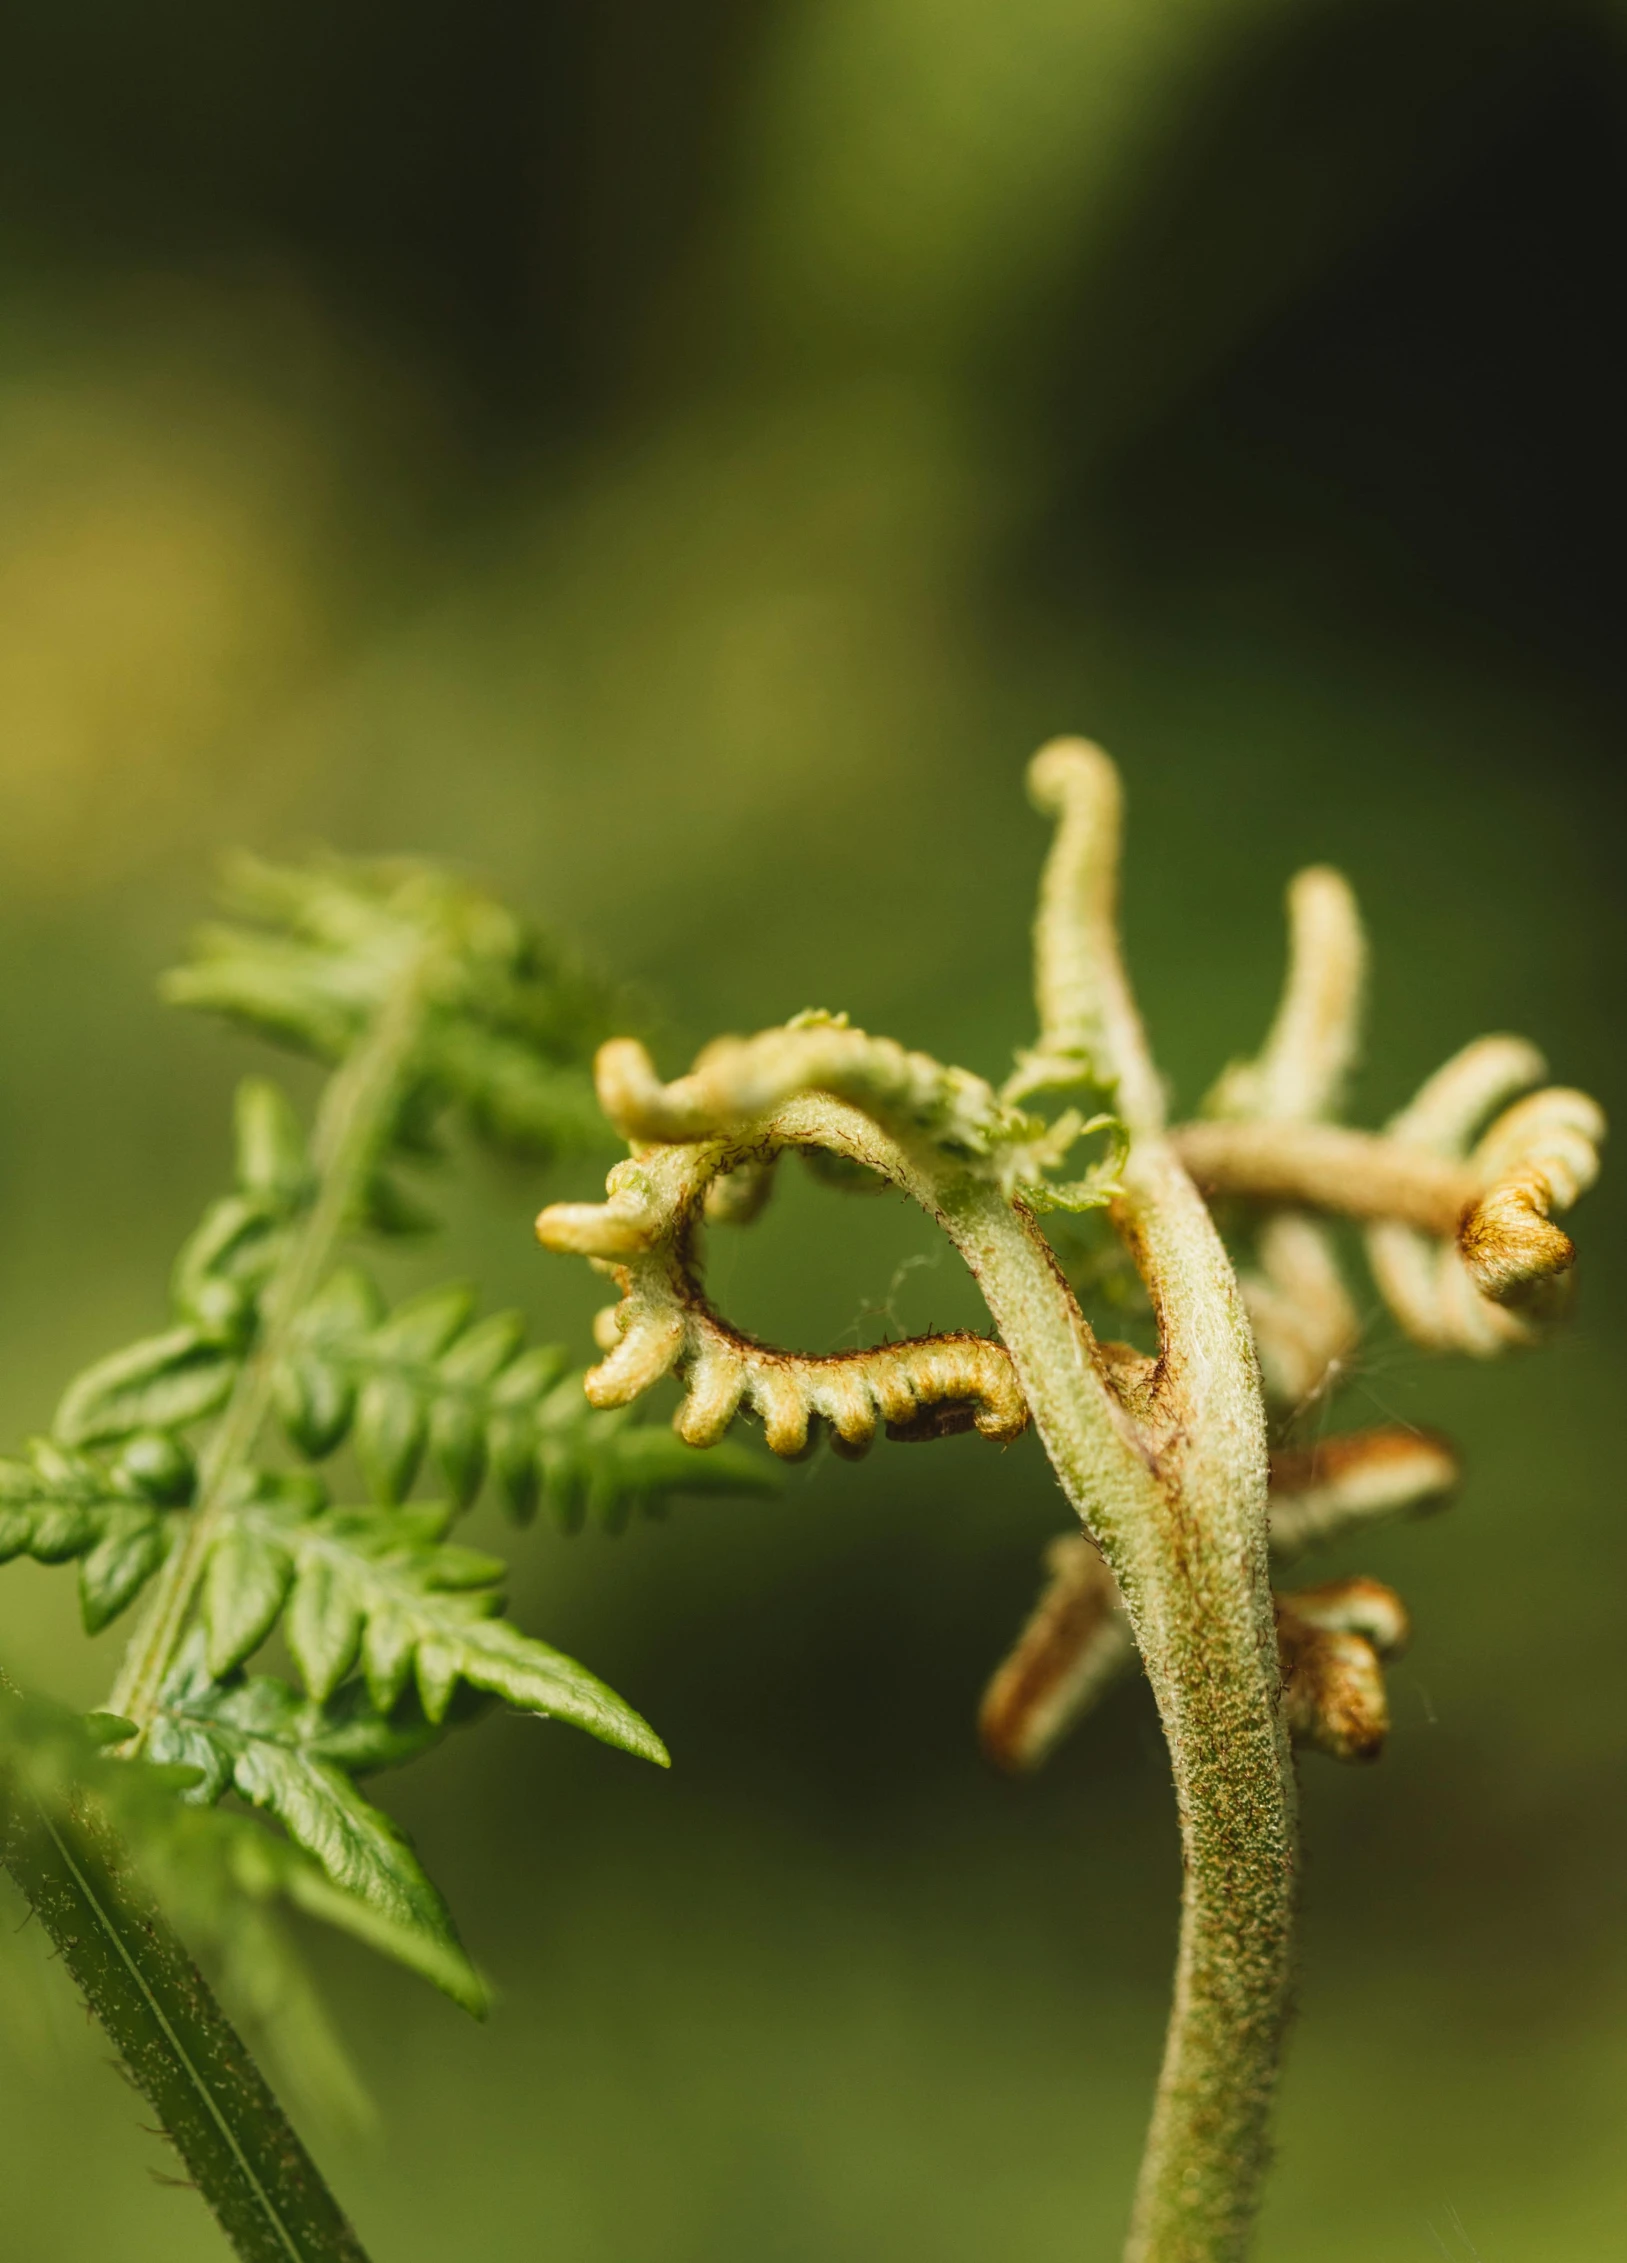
1178, 1507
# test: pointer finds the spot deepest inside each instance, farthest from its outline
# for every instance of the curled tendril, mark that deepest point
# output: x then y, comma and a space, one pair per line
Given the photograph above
1163, 1457
705, 1146
1077, 1644
1332, 1642
1480, 1281
1460, 1238
737, 1079
931, 1110
1303, 1320
1460, 1235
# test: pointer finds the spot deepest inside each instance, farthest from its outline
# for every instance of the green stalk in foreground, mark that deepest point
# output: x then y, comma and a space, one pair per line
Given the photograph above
172, 2037
1163, 1453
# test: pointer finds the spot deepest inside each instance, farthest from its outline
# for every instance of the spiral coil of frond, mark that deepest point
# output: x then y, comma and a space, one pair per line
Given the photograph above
705, 1147
644, 1234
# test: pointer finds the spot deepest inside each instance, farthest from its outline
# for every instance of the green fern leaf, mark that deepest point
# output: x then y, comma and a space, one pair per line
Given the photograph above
257, 1737
513, 1097
109, 1513
427, 1380
244, 1591
603, 1462
382, 1586
272, 1164
164, 1382
504, 1038
207, 1861
224, 1266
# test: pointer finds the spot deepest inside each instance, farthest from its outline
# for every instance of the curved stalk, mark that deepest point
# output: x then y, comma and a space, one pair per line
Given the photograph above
1180, 1514
1182, 1526
1170, 1480
1353, 1174
1165, 1462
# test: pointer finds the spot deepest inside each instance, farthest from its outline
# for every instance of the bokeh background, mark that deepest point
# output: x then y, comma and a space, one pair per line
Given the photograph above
678, 459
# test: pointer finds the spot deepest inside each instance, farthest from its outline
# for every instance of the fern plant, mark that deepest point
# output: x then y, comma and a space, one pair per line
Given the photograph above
184, 1471
183, 1474
1163, 1453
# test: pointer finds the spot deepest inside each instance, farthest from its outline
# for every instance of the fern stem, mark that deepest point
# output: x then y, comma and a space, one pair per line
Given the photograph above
1187, 1545
1186, 1539
351, 1126
172, 2037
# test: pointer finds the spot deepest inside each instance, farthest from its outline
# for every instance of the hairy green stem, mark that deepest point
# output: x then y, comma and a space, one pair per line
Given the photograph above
172, 2037
1170, 1479
351, 1124
1184, 1534
1179, 1508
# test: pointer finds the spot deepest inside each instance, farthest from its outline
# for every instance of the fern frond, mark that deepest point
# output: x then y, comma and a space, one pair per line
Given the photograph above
426, 1382
253, 1735
381, 1588
433, 1005
108, 1513
504, 1028
164, 1382
430, 1382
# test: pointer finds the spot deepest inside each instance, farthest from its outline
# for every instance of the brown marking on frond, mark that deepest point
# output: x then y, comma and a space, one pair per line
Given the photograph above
949, 1418
1075, 1645
1331, 1642
1132, 1374
645, 1237
1321, 1492
1391, 1450
1333, 1694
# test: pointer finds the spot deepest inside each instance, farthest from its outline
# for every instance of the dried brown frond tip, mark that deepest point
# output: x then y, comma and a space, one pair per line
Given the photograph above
1074, 1647
1476, 1277
1077, 1643
1540, 1156
1460, 1231
1332, 1642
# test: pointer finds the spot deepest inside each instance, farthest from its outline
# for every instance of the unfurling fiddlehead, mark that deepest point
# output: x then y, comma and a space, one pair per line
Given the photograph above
1163, 1457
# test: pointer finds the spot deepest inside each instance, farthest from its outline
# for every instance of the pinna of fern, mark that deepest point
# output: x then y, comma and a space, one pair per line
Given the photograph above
183, 1472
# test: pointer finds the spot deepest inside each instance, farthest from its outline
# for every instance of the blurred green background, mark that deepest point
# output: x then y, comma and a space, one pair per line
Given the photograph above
678, 460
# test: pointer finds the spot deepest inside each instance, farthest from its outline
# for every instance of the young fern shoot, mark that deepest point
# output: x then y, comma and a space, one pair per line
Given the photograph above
1164, 1457
181, 1471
